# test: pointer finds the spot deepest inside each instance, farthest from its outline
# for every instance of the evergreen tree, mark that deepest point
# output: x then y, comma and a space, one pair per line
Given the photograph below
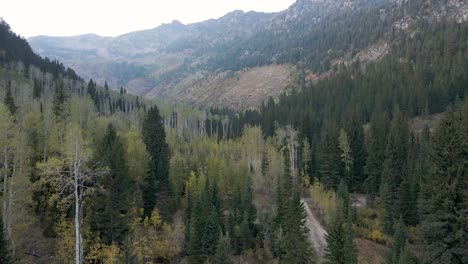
93, 94
406, 257
210, 232
443, 198
406, 200
37, 89
157, 191
344, 198
205, 221
59, 101
212, 223
377, 143
394, 169
4, 251
113, 202
296, 244
9, 100
399, 244
340, 246
223, 250
291, 242
355, 133
329, 158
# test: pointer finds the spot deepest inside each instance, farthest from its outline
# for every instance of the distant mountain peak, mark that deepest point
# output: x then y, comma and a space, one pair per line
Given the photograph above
235, 13
177, 22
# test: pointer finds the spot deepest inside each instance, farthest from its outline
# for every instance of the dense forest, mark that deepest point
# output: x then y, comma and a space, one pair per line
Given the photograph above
90, 175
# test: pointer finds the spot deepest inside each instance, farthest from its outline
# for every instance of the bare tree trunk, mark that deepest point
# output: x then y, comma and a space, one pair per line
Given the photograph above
77, 211
5, 181
10, 200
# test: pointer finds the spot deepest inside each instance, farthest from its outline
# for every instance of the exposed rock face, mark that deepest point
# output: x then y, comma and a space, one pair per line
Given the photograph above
222, 61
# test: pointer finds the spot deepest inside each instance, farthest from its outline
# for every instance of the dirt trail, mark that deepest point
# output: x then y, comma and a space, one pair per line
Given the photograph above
316, 231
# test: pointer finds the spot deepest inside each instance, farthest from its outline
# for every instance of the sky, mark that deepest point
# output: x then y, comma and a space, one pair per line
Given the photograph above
115, 17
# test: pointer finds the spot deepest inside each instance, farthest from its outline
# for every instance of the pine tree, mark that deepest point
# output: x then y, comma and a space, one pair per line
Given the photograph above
399, 243
344, 198
112, 203
158, 189
291, 242
59, 101
212, 223
93, 94
406, 202
37, 89
210, 232
4, 252
205, 221
406, 257
9, 100
296, 244
355, 134
223, 250
394, 169
245, 233
443, 198
377, 142
329, 157
340, 246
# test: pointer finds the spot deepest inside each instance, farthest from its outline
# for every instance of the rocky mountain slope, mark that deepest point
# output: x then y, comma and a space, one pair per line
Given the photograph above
224, 61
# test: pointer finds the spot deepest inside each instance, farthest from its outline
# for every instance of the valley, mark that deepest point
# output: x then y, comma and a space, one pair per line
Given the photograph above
331, 132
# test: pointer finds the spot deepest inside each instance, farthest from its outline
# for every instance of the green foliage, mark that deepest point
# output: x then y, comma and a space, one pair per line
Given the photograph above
330, 167
394, 169
204, 218
399, 244
59, 101
9, 101
291, 234
4, 249
355, 134
296, 244
18, 49
223, 250
158, 189
377, 142
443, 207
112, 202
340, 246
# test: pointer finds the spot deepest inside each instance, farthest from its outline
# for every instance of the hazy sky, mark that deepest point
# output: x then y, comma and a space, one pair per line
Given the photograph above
114, 17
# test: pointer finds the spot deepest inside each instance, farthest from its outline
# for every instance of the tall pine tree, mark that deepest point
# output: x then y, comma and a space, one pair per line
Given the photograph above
113, 202
330, 167
292, 234
340, 246
394, 169
4, 251
443, 200
157, 191
355, 133
59, 101
9, 100
377, 142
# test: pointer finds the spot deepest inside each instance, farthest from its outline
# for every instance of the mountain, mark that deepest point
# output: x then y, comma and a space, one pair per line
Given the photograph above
16, 53
241, 59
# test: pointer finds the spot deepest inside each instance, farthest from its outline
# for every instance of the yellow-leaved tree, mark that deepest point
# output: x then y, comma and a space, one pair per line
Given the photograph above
151, 239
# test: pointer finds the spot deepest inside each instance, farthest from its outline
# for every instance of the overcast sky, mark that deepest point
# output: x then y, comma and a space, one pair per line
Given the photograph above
114, 17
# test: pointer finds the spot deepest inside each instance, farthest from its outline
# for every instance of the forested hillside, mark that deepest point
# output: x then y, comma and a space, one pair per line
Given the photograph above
341, 169
206, 63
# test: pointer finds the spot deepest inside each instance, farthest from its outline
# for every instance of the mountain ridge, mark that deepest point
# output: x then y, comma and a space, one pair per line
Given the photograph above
309, 38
